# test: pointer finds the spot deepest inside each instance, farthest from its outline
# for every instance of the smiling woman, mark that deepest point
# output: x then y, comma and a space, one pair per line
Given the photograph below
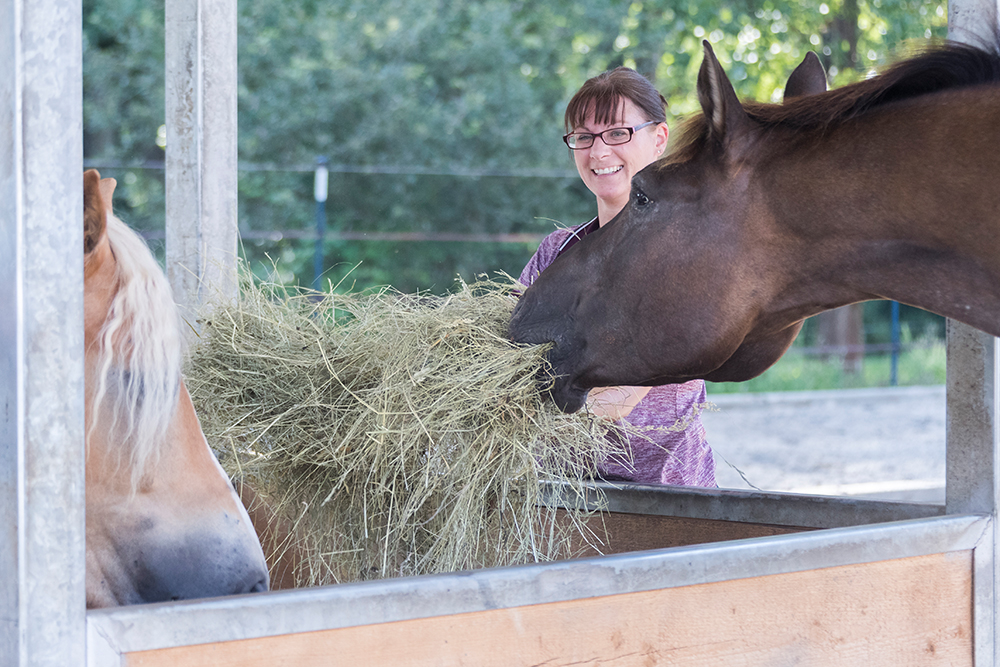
615, 127
607, 123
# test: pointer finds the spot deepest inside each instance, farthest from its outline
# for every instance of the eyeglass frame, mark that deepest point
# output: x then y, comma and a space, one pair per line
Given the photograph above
595, 135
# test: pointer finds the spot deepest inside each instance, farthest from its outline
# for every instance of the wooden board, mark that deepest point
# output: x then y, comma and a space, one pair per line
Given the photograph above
619, 533
912, 611
640, 532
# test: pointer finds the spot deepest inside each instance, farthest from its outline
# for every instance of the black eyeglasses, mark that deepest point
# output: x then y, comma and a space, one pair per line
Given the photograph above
615, 136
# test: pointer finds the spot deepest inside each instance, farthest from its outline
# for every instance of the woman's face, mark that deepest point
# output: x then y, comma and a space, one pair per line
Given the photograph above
608, 170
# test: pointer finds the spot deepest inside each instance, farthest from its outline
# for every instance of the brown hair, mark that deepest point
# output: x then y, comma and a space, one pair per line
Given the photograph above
604, 94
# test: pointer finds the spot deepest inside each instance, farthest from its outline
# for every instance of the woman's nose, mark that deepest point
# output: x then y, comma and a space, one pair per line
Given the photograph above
599, 149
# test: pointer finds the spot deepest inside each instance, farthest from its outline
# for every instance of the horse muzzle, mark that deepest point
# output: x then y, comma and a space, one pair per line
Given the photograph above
159, 561
199, 566
530, 325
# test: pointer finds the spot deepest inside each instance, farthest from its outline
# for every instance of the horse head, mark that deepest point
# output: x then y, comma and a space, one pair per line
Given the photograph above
765, 214
671, 289
163, 520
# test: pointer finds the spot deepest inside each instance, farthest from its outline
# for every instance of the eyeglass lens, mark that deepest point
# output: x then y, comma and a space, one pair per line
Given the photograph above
612, 137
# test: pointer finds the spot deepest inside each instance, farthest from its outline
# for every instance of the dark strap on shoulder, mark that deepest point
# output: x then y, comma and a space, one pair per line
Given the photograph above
578, 234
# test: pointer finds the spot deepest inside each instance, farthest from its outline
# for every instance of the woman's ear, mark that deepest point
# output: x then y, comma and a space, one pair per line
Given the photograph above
662, 136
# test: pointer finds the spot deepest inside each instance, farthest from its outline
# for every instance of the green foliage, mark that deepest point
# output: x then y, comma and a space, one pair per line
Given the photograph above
123, 101
448, 87
916, 325
923, 364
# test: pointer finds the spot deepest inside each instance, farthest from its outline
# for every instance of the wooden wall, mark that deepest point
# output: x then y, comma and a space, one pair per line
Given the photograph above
910, 611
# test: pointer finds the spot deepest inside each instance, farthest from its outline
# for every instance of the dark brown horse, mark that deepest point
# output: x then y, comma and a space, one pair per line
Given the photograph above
766, 214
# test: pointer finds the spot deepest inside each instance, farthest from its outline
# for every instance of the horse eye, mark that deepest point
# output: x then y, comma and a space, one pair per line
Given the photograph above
641, 199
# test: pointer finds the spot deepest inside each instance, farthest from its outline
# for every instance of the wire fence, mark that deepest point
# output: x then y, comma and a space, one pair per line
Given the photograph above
315, 234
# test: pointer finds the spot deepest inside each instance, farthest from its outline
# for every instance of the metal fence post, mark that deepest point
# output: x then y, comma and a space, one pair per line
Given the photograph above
321, 187
201, 176
42, 517
973, 432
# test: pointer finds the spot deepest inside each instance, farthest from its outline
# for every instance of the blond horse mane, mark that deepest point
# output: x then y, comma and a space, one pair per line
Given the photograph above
139, 355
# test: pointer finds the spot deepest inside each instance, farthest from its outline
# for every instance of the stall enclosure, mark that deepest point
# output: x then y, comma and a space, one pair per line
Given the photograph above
815, 580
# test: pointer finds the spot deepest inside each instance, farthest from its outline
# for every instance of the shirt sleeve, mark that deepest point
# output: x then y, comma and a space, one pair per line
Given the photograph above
547, 252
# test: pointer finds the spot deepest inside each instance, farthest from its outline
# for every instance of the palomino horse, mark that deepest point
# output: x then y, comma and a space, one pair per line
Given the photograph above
766, 214
163, 521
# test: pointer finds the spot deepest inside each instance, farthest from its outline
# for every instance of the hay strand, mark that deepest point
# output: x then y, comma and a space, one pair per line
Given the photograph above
397, 434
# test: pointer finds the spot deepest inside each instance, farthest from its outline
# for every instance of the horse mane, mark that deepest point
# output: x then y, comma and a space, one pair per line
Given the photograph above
140, 352
941, 66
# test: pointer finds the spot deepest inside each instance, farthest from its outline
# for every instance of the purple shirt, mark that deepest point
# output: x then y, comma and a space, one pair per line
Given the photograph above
662, 457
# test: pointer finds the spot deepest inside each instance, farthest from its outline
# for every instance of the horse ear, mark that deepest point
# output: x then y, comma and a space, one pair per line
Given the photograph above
108, 186
809, 78
94, 210
725, 115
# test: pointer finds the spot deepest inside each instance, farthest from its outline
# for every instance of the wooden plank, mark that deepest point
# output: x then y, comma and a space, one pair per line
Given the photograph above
623, 532
912, 611
618, 532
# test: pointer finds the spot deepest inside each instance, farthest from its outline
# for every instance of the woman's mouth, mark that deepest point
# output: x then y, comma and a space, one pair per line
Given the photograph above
607, 170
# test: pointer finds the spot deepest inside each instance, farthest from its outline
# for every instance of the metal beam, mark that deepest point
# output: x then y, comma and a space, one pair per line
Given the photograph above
972, 400
779, 509
42, 551
201, 177
124, 629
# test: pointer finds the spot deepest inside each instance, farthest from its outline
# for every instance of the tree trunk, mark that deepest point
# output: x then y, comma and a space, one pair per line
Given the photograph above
843, 28
843, 330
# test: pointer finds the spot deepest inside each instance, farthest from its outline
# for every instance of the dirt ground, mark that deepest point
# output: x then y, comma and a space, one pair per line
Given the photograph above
880, 443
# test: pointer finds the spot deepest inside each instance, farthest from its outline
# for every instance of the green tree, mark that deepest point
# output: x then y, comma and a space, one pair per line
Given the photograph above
460, 90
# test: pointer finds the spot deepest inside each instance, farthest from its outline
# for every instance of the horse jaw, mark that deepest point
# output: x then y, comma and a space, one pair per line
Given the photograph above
552, 310
754, 356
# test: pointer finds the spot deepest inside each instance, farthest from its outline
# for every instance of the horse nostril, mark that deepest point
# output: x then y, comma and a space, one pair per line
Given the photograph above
259, 587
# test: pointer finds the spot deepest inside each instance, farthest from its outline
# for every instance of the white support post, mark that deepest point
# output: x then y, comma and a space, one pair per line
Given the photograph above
42, 517
973, 21
971, 460
201, 227
971, 420
973, 401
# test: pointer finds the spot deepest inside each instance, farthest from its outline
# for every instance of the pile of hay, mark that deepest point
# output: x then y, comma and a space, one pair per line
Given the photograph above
396, 434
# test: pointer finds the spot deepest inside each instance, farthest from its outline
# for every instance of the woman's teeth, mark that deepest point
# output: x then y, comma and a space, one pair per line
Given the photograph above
607, 170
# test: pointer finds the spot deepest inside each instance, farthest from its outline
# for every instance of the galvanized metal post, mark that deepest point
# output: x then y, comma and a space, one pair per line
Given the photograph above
894, 339
201, 177
973, 21
321, 187
973, 401
971, 420
42, 518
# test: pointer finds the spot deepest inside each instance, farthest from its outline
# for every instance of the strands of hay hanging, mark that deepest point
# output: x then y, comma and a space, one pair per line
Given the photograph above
397, 434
